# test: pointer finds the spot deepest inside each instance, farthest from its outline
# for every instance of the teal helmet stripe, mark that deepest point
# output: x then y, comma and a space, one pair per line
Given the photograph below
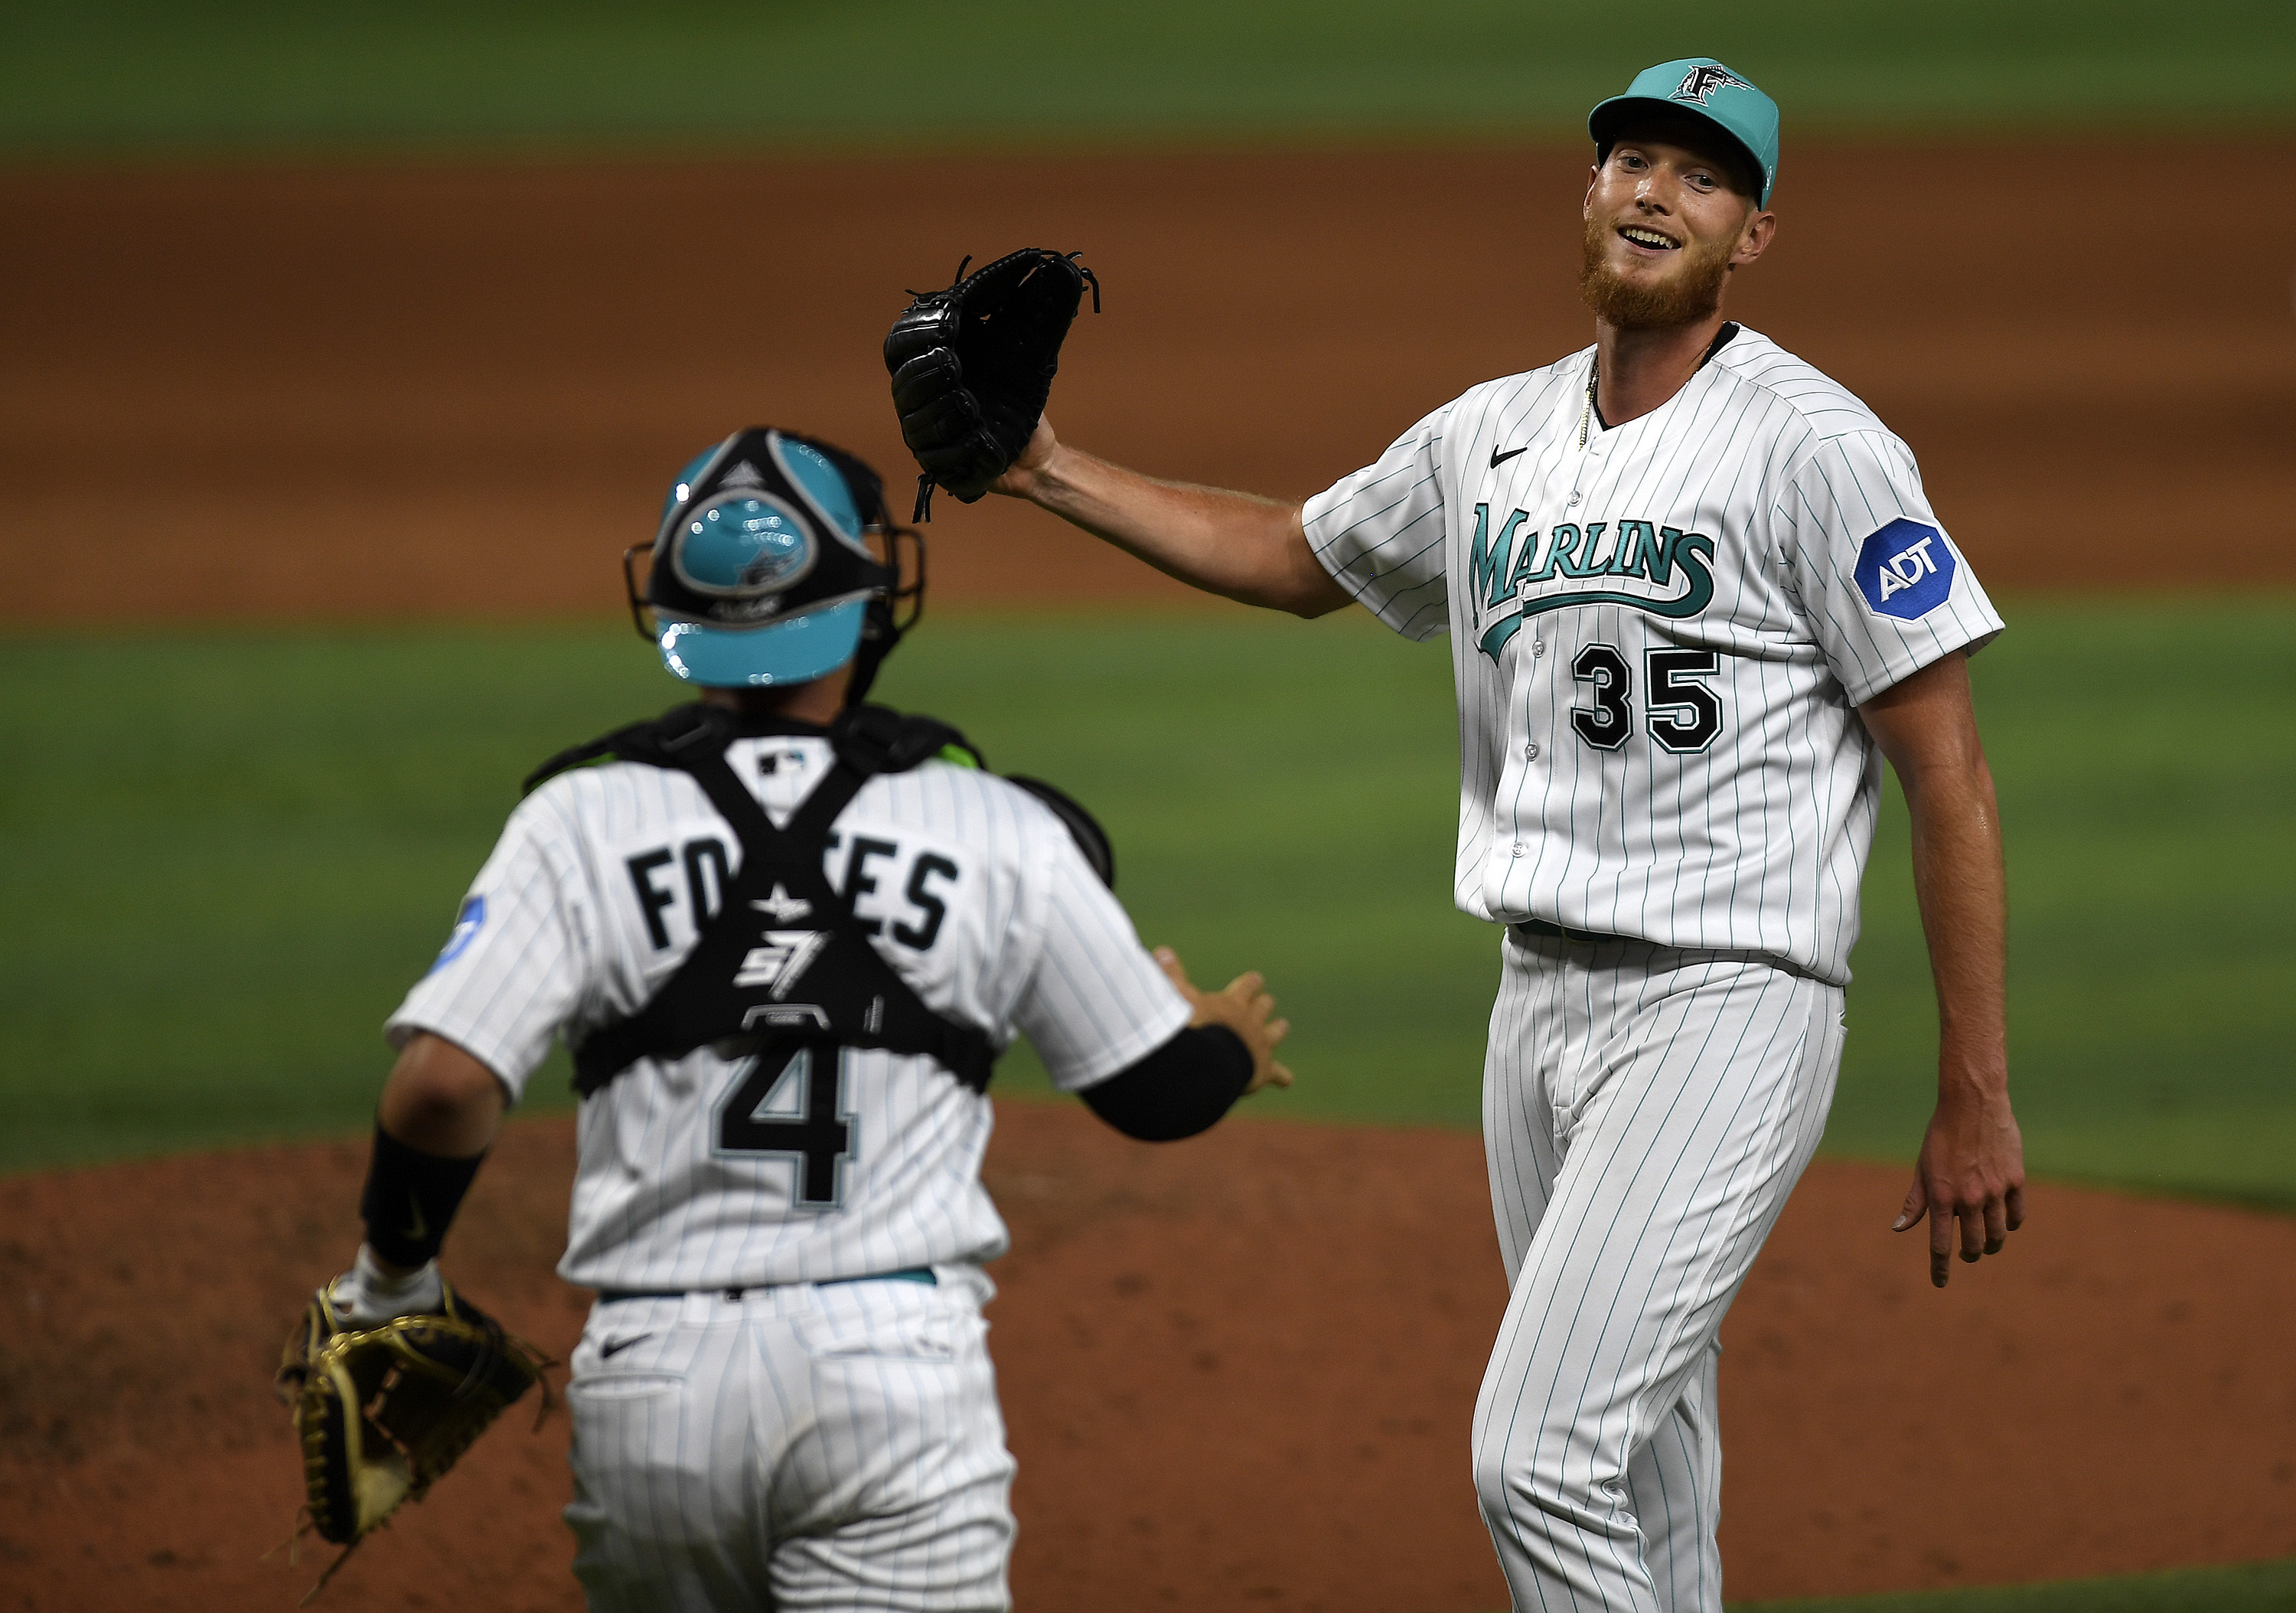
822, 483
681, 490
797, 649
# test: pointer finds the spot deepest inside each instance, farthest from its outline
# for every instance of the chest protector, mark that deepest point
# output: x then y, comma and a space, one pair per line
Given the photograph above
782, 963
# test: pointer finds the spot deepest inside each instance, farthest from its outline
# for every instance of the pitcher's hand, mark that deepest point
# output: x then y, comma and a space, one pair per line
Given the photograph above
1971, 1170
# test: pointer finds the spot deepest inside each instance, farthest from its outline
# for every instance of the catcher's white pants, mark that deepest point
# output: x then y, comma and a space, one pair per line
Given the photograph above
832, 1447
1645, 1112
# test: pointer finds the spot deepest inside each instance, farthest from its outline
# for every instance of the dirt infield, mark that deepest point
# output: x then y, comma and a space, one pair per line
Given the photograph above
351, 391
1237, 1372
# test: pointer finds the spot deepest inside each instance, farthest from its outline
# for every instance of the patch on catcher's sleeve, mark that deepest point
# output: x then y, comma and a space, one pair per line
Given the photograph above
1905, 570
466, 926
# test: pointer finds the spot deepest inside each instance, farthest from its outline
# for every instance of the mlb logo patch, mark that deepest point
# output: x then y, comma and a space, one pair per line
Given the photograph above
1905, 570
467, 924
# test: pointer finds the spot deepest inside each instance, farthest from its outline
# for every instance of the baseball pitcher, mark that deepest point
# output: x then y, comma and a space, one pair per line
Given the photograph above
786, 935
1695, 595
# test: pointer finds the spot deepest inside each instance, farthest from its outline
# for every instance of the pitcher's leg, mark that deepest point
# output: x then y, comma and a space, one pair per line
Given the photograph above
1675, 1483
1538, 1021
1680, 1141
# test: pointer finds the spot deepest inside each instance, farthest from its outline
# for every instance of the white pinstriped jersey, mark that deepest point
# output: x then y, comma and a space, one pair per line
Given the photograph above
1659, 634
689, 1178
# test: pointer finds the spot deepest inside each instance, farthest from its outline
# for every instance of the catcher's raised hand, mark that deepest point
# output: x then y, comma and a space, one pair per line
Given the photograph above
972, 364
1244, 1006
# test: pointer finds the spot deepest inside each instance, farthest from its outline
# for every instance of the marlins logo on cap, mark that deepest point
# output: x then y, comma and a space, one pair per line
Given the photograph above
1702, 82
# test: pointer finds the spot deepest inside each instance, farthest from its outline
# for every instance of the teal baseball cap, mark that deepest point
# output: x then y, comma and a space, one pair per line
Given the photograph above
1702, 85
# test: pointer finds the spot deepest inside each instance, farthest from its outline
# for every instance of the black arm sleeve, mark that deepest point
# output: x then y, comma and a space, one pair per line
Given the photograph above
1181, 1088
411, 1198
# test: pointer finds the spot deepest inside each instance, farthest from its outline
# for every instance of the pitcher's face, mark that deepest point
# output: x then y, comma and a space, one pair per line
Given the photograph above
1667, 220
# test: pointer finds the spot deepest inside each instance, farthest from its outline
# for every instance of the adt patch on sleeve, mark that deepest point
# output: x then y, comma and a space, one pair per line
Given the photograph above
466, 926
1905, 570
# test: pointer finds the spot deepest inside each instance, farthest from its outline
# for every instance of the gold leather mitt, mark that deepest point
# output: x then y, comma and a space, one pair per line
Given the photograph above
383, 1412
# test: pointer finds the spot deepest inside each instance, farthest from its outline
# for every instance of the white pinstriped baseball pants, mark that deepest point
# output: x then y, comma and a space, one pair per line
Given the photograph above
833, 1447
1645, 1113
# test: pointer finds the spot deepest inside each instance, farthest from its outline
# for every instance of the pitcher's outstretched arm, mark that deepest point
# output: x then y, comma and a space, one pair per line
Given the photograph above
1238, 545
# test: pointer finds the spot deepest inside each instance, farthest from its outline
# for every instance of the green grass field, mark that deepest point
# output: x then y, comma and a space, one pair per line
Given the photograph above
225, 855
111, 75
2248, 1588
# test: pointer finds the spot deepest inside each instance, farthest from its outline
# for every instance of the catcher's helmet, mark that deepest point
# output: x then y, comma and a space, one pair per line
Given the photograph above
762, 572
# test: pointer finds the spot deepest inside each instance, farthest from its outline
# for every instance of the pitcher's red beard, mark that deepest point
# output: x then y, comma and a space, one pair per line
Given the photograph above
1691, 292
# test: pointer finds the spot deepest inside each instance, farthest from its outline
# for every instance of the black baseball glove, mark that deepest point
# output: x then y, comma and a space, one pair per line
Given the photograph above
972, 365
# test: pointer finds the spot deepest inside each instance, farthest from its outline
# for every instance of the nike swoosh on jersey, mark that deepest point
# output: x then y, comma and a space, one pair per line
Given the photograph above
607, 1351
418, 1229
1498, 459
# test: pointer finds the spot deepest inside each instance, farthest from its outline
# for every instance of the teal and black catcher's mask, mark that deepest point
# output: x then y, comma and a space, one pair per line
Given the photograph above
763, 573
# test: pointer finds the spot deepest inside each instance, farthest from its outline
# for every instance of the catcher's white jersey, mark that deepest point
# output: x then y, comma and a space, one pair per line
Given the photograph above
1659, 633
688, 1178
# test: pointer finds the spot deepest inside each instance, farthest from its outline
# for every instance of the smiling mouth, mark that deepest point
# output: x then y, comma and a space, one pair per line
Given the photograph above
1643, 236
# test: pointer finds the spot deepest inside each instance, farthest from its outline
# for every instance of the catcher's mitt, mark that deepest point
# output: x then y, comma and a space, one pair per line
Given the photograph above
382, 1412
972, 365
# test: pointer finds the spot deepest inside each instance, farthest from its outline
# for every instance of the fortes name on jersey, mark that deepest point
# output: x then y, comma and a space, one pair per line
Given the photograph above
873, 870
1518, 571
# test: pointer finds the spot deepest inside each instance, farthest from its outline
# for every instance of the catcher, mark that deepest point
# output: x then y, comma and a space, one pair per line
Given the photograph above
786, 935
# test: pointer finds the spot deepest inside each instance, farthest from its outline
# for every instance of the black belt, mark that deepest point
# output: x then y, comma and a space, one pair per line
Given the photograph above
1539, 929
1527, 929
923, 1274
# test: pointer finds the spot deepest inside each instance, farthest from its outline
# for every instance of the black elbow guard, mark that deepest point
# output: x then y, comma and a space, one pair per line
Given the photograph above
1181, 1088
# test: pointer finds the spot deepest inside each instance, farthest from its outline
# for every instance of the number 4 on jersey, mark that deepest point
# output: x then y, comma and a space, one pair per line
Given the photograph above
1684, 716
756, 1118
